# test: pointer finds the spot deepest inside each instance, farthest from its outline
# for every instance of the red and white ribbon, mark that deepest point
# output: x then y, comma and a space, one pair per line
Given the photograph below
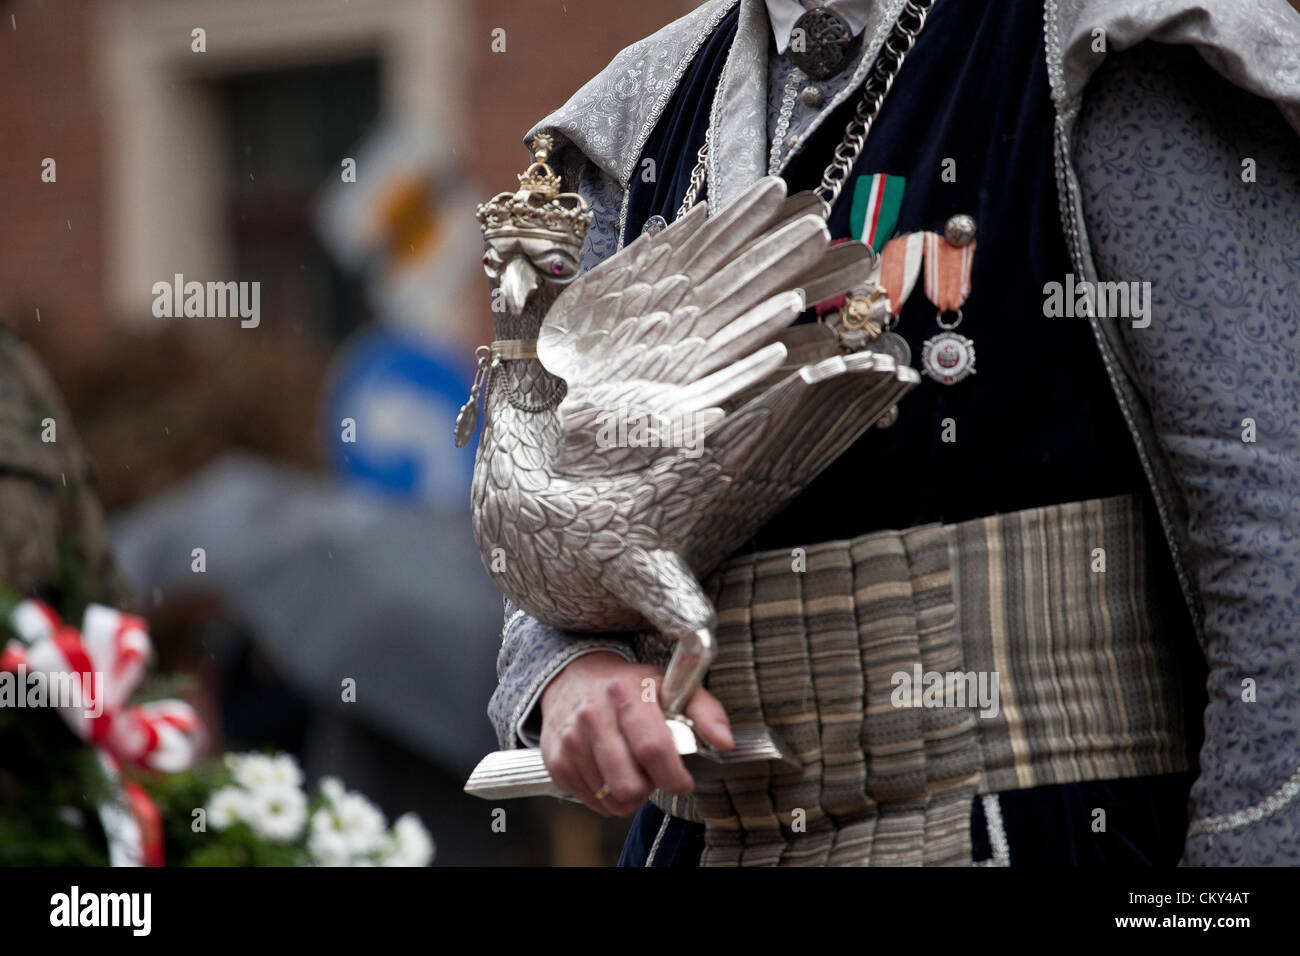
947, 272
107, 660
900, 266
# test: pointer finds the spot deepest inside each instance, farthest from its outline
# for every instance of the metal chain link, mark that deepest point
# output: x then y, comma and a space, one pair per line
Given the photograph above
888, 63
697, 175
788, 97
558, 390
879, 83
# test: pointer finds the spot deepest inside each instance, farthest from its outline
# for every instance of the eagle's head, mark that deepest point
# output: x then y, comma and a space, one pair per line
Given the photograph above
519, 265
534, 237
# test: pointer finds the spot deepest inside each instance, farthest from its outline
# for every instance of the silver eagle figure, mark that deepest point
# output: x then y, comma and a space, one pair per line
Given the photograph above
643, 420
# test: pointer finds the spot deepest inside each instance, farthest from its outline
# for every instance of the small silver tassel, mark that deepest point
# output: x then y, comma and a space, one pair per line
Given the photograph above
467, 418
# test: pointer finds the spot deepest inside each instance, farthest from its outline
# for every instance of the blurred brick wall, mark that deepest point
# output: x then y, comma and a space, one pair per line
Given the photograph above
553, 47
51, 234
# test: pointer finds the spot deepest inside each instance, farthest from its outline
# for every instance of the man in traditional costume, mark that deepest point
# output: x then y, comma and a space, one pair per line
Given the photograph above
1086, 216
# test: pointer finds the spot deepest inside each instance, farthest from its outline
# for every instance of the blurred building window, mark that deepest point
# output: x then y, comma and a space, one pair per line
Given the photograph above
287, 131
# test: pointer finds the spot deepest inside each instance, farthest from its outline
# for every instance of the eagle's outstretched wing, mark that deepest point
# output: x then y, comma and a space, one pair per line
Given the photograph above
669, 329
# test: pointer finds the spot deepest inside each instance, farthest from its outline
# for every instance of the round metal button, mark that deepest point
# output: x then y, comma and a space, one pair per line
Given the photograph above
812, 96
960, 230
826, 44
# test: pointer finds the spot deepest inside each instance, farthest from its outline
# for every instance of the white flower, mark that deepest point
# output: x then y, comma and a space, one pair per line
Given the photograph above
257, 771
347, 828
412, 845
332, 789
327, 845
278, 812
363, 822
250, 770
227, 806
285, 770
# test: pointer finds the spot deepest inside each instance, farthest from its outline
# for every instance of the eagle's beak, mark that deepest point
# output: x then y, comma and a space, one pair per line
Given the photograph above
517, 283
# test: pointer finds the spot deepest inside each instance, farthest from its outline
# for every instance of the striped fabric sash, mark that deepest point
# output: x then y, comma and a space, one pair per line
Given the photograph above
815, 644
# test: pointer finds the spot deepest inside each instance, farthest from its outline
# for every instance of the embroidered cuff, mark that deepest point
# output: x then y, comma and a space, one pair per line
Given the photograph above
528, 721
1264, 834
532, 653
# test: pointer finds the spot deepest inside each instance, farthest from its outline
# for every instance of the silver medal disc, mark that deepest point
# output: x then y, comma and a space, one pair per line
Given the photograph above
948, 358
893, 345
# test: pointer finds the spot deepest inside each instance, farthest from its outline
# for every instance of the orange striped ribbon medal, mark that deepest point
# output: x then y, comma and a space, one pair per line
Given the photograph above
894, 279
948, 357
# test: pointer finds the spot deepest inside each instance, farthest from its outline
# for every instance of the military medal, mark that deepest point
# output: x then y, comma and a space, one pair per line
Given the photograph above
864, 319
948, 357
876, 313
867, 318
893, 345
900, 265
822, 44
862, 322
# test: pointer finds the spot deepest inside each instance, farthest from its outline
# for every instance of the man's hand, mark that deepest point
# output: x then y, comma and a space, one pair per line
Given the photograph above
598, 730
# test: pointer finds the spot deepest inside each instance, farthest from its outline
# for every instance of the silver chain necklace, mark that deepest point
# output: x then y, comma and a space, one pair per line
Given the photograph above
897, 46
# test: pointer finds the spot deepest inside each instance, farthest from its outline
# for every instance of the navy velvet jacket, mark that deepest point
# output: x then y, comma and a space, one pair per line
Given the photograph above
1037, 424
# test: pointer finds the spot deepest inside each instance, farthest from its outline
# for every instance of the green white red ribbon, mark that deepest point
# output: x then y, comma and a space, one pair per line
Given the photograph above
877, 201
